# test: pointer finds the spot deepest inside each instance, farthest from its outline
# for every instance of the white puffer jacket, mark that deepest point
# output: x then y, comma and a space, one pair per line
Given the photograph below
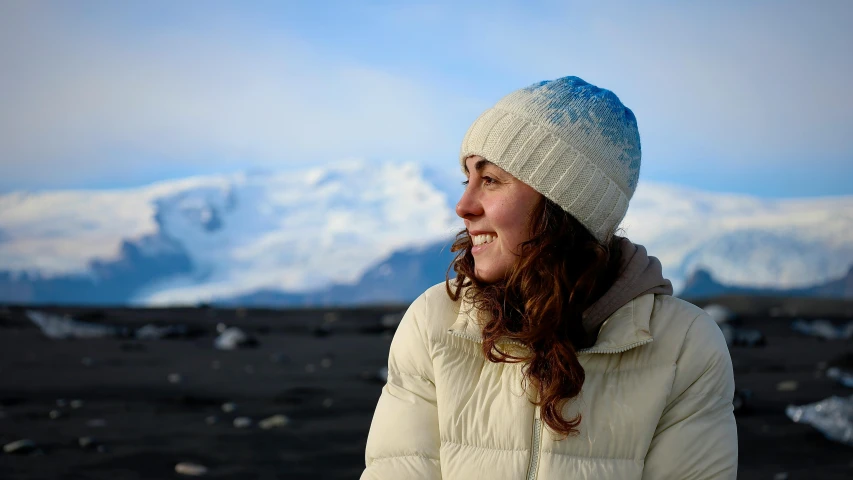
656, 402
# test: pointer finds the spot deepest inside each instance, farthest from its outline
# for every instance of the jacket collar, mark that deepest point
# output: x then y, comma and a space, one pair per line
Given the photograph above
626, 328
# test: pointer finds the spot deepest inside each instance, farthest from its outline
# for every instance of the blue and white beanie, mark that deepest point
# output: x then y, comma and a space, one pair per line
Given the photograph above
573, 142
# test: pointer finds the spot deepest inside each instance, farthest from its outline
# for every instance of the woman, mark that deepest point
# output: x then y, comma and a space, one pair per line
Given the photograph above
558, 350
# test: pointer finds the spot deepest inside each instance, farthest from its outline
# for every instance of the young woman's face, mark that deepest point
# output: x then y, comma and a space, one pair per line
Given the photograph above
496, 208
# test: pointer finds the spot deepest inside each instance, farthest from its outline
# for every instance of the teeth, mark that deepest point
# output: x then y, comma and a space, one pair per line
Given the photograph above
481, 239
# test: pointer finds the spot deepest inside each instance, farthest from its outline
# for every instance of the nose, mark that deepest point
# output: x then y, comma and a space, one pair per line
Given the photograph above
469, 204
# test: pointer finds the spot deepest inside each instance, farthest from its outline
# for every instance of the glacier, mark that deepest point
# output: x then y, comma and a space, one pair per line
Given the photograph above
330, 228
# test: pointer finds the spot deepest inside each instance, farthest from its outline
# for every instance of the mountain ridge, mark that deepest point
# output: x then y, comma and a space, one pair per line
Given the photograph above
315, 235
702, 284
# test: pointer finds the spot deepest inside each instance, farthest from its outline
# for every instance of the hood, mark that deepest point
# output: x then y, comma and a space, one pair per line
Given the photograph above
639, 274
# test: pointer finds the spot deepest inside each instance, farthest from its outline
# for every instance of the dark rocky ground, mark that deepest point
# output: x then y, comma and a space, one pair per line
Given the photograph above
325, 384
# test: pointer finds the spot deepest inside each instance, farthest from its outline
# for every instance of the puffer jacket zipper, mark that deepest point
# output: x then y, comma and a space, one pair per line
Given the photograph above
533, 467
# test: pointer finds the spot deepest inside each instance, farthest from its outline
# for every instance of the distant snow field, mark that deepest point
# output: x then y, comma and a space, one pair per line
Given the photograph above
302, 230
743, 240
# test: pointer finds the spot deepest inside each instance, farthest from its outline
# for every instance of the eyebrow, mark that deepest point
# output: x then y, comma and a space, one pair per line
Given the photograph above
479, 165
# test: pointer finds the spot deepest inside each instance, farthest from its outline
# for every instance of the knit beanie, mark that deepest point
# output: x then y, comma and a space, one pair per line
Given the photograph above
573, 142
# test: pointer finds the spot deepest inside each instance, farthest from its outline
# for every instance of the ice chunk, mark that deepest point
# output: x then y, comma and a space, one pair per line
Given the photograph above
62, 327
833, 417
233, 338
719, 313
823, 329
843, 377
748, 337
155, 332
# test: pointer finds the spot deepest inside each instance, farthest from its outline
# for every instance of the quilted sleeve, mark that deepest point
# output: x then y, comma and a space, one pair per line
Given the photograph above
696, 437
404, 441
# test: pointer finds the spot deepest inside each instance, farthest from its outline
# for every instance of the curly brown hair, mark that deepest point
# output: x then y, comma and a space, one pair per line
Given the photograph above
559, 273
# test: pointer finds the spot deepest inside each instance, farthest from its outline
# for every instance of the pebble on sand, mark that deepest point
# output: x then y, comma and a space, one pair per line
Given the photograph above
242, 422
191, 469
275, 421
323, 330
229, 407
787, 386
279, 358
380, 375
737, 336
89, 443
96, 423
391, 320
23, 446
741, 399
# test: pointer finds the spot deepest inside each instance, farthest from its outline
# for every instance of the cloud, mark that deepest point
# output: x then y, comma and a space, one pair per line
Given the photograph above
119, 89
760, 83
83, 97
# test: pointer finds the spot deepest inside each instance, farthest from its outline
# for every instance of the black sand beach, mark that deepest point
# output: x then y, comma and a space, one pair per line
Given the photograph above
319, 368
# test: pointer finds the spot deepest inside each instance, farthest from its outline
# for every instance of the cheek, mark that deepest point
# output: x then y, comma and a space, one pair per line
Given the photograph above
511, 242
513, 234
511, 220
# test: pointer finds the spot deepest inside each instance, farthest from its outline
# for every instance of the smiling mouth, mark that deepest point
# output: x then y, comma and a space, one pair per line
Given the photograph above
482, 239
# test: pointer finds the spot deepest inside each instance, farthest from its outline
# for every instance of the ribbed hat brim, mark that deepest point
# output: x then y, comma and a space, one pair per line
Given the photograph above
553, 167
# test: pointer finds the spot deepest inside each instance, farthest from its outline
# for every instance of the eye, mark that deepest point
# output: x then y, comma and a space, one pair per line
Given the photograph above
487, 180
465, 183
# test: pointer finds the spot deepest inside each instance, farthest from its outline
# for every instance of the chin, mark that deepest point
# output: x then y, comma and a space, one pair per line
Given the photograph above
487, 276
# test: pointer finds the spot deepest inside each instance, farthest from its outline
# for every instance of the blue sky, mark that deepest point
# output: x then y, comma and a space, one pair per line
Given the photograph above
748, 97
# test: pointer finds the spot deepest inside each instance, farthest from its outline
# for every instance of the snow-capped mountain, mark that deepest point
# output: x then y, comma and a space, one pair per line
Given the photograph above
743, 240
293, 231
702, 284
357, 232
400, 278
